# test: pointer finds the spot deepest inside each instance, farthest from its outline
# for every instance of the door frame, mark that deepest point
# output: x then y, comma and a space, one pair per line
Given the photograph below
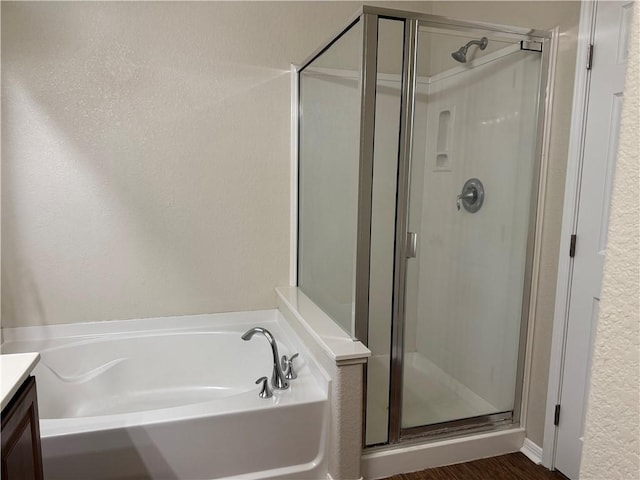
586, 32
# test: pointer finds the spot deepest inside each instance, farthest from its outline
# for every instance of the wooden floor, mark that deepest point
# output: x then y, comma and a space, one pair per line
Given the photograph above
514, 466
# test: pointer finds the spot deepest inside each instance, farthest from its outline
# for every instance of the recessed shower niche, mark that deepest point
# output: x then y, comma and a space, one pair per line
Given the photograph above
443, 141
396, 115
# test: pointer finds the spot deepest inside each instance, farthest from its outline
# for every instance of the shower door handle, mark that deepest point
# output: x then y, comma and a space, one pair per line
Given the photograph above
411, 245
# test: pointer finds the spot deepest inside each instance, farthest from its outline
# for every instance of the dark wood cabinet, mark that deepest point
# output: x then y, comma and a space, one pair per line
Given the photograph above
21, 451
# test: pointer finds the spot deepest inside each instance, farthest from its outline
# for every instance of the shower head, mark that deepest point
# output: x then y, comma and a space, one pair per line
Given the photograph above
460, 55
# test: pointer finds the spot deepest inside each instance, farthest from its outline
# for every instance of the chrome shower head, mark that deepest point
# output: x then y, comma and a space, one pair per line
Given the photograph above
460, 55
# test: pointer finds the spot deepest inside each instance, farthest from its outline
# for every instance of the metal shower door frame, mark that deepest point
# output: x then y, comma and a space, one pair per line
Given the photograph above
497, 420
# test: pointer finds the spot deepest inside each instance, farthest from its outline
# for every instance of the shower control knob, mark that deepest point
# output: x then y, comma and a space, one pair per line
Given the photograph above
265, 391
287, 366
468, 196
472, 196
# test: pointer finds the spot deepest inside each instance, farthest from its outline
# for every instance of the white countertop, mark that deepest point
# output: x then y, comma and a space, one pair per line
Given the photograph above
14, 370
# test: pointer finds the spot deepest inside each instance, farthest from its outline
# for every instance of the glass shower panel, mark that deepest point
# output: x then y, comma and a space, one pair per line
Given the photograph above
383, 218
329, 138
473, 157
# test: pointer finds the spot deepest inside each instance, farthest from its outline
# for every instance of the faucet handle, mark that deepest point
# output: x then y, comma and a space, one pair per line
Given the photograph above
287, 366
265, 391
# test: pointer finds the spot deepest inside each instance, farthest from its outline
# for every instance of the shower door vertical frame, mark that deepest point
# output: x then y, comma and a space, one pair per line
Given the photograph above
536, 211
402, 213
368, 82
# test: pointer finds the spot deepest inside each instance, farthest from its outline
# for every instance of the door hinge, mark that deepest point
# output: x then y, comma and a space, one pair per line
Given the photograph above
590, 57
531, 45
556, 416
572, 246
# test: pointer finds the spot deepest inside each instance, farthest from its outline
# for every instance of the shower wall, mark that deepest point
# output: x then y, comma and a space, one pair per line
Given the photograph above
480, 123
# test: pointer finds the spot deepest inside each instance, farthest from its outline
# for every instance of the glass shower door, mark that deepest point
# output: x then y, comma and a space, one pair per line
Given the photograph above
470, 198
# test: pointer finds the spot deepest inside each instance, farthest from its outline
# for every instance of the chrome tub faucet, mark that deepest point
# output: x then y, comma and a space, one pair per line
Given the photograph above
278, 380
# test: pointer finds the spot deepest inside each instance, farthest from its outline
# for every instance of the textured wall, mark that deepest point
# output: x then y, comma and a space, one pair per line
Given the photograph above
612, 434
543, 15
145, 154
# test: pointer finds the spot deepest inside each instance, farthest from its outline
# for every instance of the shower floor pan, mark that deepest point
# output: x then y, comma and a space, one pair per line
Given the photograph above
430, 396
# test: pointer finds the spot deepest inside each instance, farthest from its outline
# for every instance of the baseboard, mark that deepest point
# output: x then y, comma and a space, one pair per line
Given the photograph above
329, 477
532, 451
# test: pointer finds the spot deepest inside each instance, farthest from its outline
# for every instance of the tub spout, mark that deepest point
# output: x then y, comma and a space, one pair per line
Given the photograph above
277, 378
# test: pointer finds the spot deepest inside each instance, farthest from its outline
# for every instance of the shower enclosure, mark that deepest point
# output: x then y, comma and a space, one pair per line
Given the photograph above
419, 152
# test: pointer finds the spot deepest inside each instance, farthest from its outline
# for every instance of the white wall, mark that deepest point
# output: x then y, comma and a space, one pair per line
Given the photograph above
145, 154
611, 449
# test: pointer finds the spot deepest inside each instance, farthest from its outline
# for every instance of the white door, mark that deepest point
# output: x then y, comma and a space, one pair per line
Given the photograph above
600, 149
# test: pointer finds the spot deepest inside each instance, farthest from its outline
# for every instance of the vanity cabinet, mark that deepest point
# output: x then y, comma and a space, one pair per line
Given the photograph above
21, 451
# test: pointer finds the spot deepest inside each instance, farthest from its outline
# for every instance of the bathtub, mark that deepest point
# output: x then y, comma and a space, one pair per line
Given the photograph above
174, 398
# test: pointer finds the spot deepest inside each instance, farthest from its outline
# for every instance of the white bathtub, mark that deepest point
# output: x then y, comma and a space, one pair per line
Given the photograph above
174, 398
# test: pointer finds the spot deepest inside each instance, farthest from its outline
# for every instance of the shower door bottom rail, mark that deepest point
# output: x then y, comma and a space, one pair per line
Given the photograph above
494, 421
